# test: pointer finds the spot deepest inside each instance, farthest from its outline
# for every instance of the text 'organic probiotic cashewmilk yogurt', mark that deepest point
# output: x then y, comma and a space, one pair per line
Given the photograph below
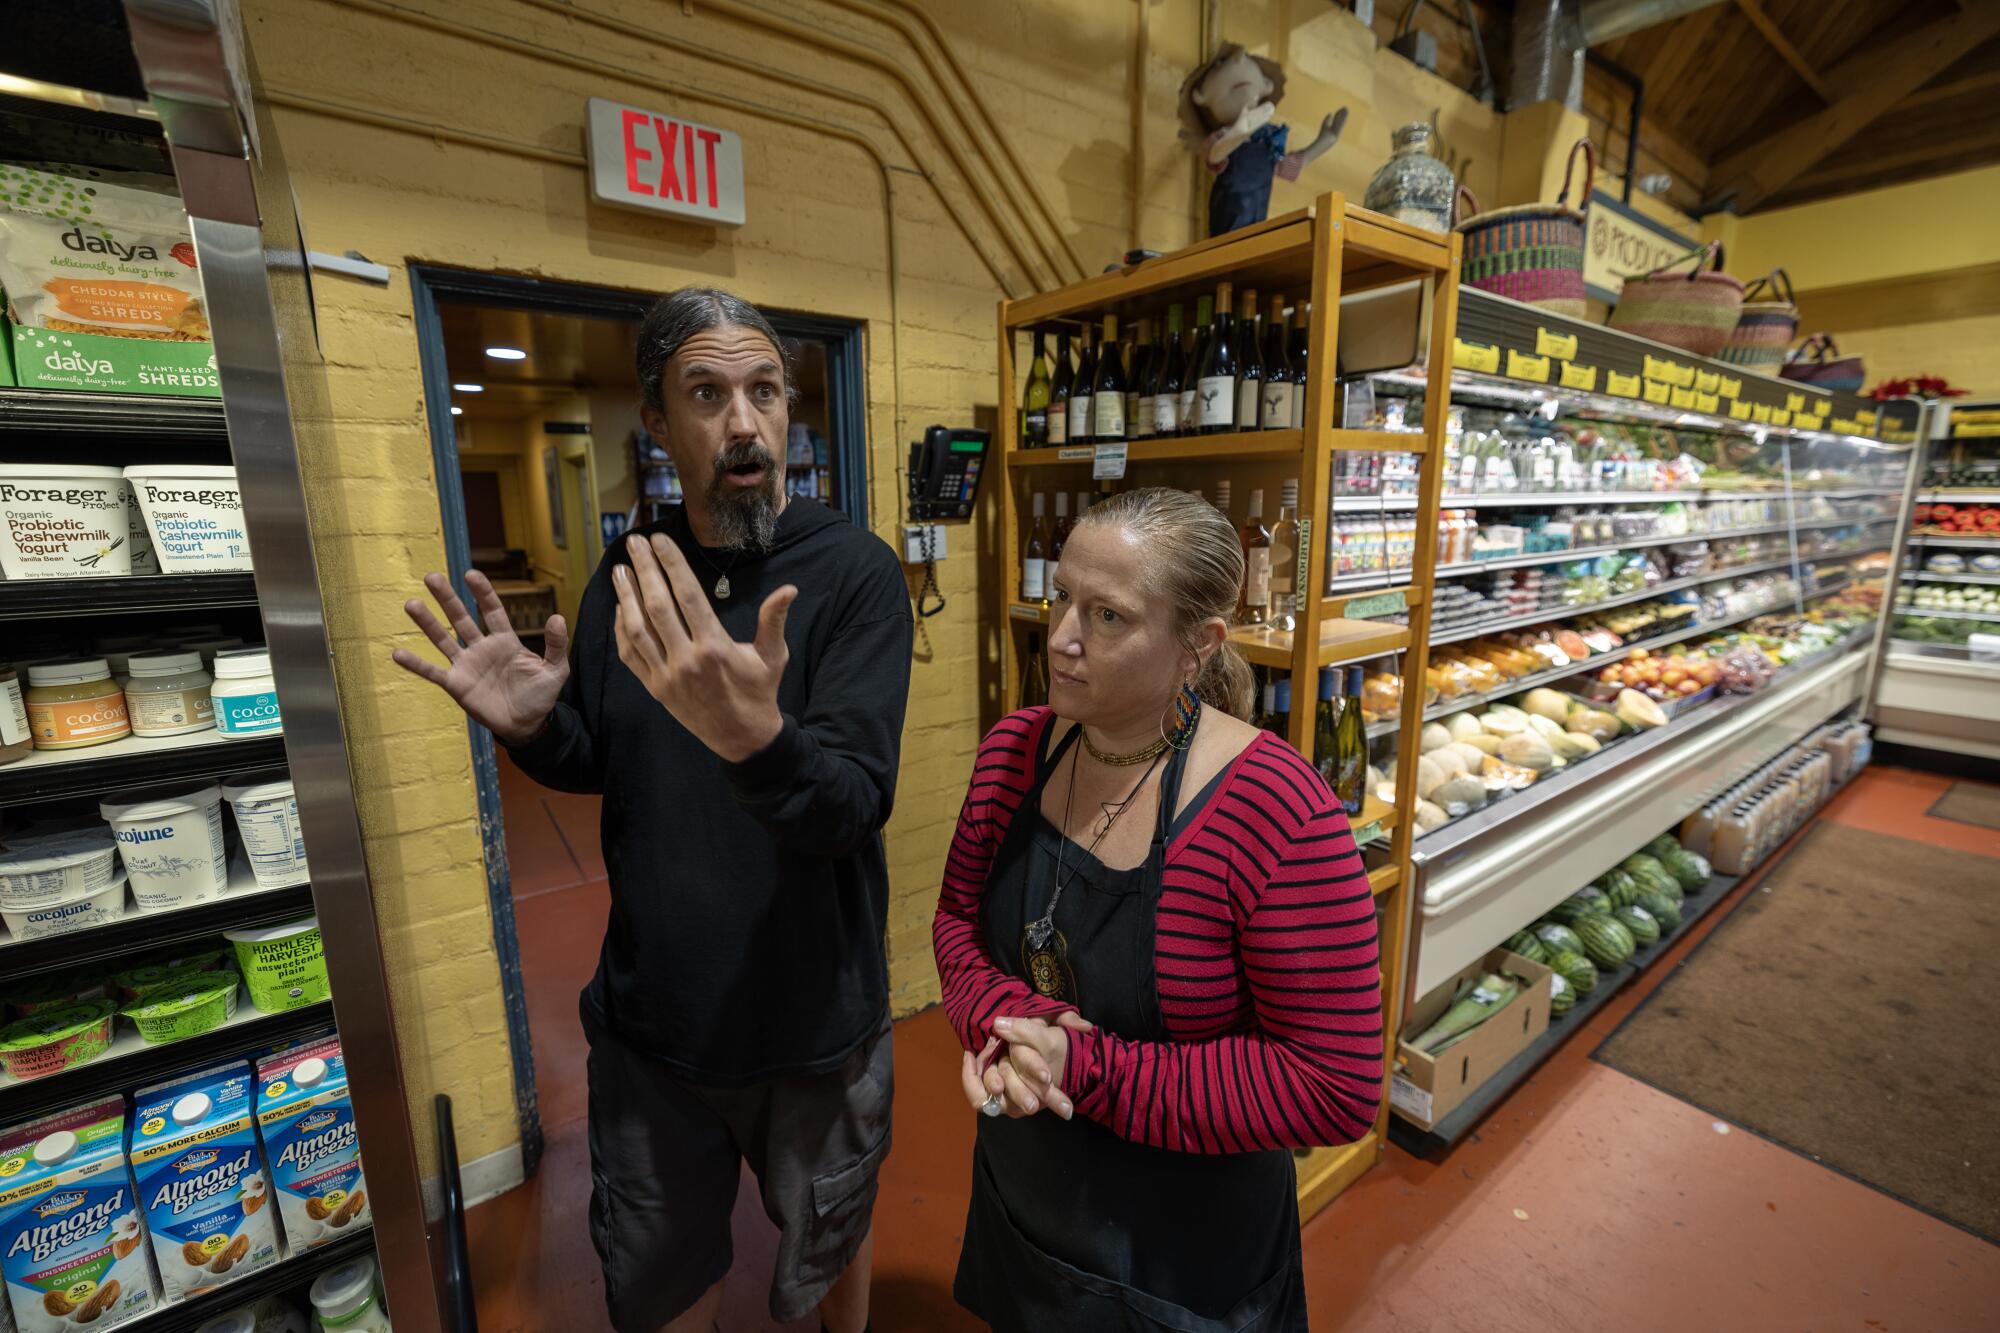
309, 1139
202, 1181
70, 1242
195, 514
64, 521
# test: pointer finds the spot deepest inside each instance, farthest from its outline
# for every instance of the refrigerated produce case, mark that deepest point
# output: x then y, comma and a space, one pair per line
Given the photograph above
171, 95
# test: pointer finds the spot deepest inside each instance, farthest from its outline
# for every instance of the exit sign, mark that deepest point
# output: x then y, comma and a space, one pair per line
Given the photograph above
662, 164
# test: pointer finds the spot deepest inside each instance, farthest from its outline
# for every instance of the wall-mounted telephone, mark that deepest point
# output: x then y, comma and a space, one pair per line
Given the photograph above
944, 472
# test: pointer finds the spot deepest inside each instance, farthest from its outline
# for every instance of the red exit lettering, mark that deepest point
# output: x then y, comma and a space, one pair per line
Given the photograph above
643, 133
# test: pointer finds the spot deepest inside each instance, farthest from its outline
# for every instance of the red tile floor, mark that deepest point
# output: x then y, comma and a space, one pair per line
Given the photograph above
1587, 1201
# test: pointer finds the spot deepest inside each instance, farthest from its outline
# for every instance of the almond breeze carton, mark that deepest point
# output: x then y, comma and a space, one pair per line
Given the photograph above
202, 1181
71, 1247
310, 1141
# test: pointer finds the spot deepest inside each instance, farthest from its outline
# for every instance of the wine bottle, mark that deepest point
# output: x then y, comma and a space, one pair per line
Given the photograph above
1253, 603
1222, 499
1249, 364
1190, 420
1281, 707
1034, 559
1301, 319
1163, 391
1285, 560
1139, 375
1082, 503
1107, 388
1350, 744
1215, 387
1034, 674
1035, 402
1059, 390
1060, 537
1326, 745
1276, 413
1080, 391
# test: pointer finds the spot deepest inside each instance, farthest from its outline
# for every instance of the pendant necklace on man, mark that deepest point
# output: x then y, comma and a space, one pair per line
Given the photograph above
1044, 950
721, 575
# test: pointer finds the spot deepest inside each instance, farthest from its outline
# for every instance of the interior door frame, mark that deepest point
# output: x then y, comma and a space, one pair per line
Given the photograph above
847, 410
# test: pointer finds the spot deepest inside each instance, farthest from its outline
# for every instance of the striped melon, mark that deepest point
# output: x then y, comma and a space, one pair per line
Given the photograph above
1620, 889
1660, 846
1649, 872
1562, 995
1690, 870
1640, 922
1557, 938
1662, 909
1574, 968
1587, 901
1605, 942
1526, 945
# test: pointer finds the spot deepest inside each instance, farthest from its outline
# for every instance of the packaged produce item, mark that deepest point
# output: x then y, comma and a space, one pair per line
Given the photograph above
70, 1241
72, 705
195, 512
63, 521
202, 1181
95, 908
42, 869
284, 966
186, 1005
309, 1137
16, 741
267, 815
172, 845
101, 288
53, 1039
246, 697
346, 1300
166, 694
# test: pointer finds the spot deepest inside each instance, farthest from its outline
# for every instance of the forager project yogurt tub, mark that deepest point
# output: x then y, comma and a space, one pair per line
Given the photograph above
64, 521
195, 513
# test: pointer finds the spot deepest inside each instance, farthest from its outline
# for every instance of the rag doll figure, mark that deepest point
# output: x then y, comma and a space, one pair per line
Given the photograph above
1226, 110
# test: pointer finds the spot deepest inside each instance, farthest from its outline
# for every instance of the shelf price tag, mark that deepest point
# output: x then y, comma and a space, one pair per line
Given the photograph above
1075, 454
1108, 462
1804, 422
1656, 391
1867, 419
1673, 372
1472, 356
1730, 387
1522, 367
1367, 833
1623, 386
1367, 608
1707, 381
1575, 376
1781, 416
1561, 346
1739, 411
1760, 413
1823, 408
1021, 611
1680, 397
1707, 402
1795, 402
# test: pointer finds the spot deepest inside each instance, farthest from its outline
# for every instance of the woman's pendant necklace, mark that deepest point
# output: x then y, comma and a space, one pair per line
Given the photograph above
1044, 951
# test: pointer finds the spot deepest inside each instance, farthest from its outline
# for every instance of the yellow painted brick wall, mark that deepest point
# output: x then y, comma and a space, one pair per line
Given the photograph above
451, 133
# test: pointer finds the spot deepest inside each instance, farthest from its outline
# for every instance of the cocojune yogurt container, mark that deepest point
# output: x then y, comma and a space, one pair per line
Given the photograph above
171, 843
64, 521
71, 1245
195, 513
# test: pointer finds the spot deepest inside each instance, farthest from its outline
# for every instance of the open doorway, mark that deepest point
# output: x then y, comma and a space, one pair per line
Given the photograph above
542, 462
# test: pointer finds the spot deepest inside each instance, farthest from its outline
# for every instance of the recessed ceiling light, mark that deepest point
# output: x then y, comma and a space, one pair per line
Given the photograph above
506, 354
457, 411
470, 388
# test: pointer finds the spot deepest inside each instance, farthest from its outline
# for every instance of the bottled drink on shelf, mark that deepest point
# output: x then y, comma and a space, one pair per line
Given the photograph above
1249, 364
1059, 391
1034, 674
1325, 744
1080, 392
1222, 499
1350, 748
1138, 375
1285, 559
1107, 388
1082, 503
1034, 558
1190, 416
1300, 320
1035, 402
1276, 412
1267, 700
1281, 706
1060, 537
1163, 397
1253, 605
1215, 387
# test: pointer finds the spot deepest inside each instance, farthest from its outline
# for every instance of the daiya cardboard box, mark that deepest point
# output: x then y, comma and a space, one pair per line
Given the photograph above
1426, 1088
201, 1180
307, 1123
71, 1246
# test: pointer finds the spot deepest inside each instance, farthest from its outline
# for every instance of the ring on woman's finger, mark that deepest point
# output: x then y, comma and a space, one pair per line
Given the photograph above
993, 1106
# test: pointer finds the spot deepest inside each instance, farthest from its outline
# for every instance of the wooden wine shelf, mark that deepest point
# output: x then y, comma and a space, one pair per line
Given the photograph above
1384, 878
1233, 446
1339, 641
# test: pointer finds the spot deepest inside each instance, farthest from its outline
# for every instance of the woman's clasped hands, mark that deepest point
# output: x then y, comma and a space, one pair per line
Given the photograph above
1027, 1058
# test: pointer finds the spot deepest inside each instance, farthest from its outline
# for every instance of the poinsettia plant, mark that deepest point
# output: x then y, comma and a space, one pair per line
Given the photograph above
1917, 386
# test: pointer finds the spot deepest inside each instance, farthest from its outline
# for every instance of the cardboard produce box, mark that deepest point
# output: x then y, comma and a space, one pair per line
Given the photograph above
1425, 1089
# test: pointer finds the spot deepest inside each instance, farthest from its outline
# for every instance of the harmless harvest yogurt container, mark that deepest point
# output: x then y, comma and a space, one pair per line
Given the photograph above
246, 697
171, 843
267, 815
63, 521
195, 512
284, 966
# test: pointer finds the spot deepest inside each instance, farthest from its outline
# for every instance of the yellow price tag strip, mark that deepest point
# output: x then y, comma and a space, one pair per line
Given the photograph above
1823, 408
1472, 356
1523, 367
1658, 368
1561, 346
1707, 381
1781, 416
1739, 411
1730, 387
1680, 397
1707, 402
1804, 422
1760, 412
1795, 402
1867, 419
1656, 391
1576, 376
1624, 386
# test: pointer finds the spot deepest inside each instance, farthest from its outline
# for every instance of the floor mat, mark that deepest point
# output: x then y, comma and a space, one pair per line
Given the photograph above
1969, 803
1837, 1011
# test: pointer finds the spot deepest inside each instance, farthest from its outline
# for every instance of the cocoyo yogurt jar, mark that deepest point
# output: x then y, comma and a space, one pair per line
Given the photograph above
171, 844
63, 521
195, 513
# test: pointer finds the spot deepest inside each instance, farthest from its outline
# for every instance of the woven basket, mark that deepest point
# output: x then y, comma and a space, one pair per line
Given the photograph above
1694, 311
1765, 328
1533, 252
1819, 363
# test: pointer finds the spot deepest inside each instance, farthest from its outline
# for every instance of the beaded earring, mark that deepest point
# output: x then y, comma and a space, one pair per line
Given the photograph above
1187, 712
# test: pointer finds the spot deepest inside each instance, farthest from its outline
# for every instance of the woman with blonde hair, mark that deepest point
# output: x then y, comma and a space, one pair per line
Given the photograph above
1158, 947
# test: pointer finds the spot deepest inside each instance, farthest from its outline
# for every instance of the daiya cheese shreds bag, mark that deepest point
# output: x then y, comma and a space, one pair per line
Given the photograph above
71, 1246
309, 1139
202, 1181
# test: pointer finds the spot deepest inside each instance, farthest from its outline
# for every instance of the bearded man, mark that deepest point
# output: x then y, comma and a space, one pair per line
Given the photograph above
736, 693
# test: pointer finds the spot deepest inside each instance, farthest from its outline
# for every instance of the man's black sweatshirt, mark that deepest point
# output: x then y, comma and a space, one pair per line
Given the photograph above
749, 900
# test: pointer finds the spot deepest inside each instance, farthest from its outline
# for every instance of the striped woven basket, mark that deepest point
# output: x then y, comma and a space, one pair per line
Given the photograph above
1819, 363
1533, 252
1765, 328
1695, 311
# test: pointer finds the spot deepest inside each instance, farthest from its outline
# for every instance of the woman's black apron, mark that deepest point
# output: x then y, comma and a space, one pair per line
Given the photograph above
1073, 1229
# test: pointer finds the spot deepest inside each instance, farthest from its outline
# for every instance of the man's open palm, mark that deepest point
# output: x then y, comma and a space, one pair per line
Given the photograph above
498, 680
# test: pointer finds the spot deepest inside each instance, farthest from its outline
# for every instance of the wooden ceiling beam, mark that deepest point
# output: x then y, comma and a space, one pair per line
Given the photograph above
1782, 44
1873, 79
1938, 92
1932, 150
